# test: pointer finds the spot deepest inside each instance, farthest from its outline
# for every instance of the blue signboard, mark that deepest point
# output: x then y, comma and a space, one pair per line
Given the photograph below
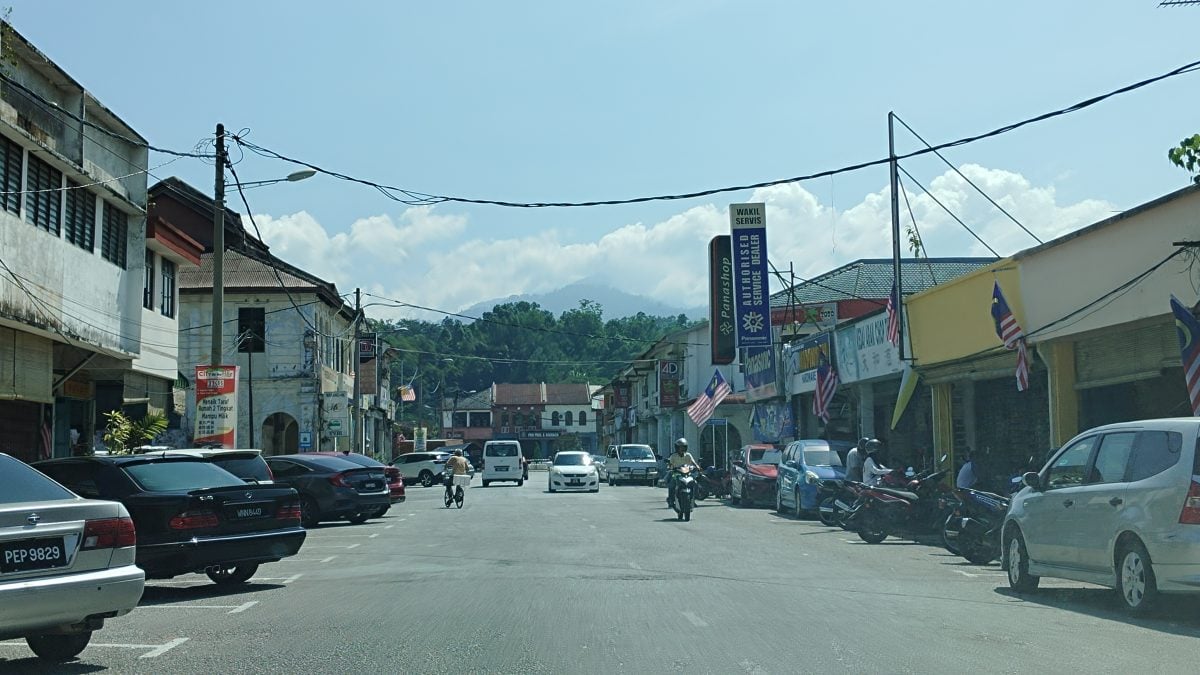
759, 367
772, 422
752, 296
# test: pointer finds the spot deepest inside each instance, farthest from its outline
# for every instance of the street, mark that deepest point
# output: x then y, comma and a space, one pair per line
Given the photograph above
523, 581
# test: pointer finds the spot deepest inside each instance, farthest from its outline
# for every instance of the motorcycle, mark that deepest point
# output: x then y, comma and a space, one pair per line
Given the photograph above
837, 500
683, 489
911, 512
973, 528
712, 482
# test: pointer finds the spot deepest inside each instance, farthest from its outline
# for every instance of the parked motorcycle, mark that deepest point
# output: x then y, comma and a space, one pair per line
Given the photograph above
712, 482
885, 511
683, 490
838, 501
973, 528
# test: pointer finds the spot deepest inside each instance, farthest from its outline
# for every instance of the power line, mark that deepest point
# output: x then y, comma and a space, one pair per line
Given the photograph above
559, 362
421, 198
969, 182
93, 184
947, 210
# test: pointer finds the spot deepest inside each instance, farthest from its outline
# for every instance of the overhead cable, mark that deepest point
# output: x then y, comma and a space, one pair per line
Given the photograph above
947, 210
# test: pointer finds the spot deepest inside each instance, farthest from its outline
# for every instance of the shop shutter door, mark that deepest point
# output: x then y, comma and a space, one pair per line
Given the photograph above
25, 366
1126, 355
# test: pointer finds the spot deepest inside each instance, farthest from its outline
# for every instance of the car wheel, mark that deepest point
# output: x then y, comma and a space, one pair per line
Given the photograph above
949, 542
58, 647
358, 518
520, 483
426, 478
1019, 578
779, 502
310, 515
734, 499
1135, 578
231, 576
487, 483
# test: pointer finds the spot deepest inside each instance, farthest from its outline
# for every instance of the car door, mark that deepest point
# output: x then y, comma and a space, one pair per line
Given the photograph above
1045, 522
1094, 517
790, 472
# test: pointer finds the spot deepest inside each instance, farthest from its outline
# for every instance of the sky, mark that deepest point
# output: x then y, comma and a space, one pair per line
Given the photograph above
572, 101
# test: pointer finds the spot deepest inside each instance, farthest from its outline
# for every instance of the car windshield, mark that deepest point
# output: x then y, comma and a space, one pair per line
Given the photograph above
636, 452
246, 467
21, 483
765, 456
176, 475
572, 460
501, 450
821, 457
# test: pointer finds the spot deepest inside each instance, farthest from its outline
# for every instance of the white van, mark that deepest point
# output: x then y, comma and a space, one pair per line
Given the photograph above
502, 461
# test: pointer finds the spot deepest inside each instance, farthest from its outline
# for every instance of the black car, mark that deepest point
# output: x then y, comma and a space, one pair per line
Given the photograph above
190, 515
332, 488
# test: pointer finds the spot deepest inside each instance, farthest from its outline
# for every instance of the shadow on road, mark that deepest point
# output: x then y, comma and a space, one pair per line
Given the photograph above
162, 595
1176, 614
36, 665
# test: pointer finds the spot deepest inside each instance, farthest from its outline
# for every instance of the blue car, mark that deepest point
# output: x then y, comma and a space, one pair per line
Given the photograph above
806, 464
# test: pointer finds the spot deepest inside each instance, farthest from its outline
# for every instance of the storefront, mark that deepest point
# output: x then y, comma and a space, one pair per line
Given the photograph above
26, 419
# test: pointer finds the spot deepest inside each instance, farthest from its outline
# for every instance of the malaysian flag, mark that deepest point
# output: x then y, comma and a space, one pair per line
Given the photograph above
407, 393
1011, 335
47, 441
827, 383
893, 314
1188, 330
706, 404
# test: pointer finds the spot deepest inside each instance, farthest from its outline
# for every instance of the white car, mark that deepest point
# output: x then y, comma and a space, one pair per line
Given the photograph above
573, 471
1118, 506
66, 563
422, 467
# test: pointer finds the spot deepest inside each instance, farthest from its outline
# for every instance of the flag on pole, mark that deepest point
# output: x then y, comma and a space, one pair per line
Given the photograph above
1188, 330
1010, 333
827, 383
893, 314
407, 393
706, 404
47, 441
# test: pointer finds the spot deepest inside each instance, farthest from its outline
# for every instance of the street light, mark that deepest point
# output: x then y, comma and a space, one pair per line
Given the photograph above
291, 178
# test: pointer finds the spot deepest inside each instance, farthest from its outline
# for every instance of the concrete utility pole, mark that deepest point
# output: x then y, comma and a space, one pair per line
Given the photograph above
356, 432
893, 174
218, 261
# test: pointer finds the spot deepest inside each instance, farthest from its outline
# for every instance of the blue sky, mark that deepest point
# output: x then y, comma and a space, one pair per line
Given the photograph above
549, 101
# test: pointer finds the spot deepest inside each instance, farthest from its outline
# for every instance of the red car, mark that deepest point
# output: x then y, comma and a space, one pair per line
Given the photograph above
394, 479
754, 474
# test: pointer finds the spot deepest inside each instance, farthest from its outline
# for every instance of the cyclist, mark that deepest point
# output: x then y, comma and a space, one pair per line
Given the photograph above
455, 466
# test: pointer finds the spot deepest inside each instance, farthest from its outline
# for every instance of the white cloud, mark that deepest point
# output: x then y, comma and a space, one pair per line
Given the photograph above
423, 260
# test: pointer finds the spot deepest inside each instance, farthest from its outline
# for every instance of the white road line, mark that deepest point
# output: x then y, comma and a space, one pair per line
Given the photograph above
189, 606
160, 649
696, 621
342, 546
981, 574
243, 607
635, 566
292, 578
282, 580
391, 526
329, 559
373, 536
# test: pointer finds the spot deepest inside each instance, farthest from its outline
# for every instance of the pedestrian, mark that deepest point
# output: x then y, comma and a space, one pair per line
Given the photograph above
855, 459
966, 474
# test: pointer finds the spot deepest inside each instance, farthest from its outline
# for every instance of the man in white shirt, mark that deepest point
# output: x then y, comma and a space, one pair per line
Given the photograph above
873, 471
966, 475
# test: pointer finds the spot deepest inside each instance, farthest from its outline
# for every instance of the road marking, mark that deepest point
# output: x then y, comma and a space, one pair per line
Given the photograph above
317, 560
981, 574
282, 580
172, 606
591, 526
345, 546
333, 535
329, 559
243, 607
391, 526
635, 566
155, 650
159, 650
373, 536
696, 621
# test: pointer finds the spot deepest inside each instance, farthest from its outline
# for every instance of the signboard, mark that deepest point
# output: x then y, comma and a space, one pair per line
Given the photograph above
366, 346
216, 405
336, 413
721, 324
716, 422
846, 339
621, 395
540, 434
801, 362
420, 438
305, 440
668, 384
759, 368
806, 319
772, 422
752, 298
876, 356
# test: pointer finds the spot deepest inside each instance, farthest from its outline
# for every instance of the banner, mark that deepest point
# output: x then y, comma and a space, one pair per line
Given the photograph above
621, 395
759, 368
336, 413
216, 406
752, 298
668, 384
721, 324
420, 439
772, 422
801, 360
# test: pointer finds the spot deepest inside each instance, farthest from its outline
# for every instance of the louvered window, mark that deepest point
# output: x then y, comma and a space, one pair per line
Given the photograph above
80, 218
11, 167
43, 196
112, 240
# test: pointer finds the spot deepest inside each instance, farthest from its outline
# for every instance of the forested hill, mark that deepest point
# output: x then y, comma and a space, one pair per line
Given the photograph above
518, 342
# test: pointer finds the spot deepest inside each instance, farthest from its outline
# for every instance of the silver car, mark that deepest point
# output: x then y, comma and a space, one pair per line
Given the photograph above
1118, 506
66, 563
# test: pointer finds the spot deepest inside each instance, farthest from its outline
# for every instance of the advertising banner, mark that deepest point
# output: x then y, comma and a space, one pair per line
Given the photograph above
216, 406
752, 296
801, 362
805, 319
772, 422
366, 347
336, 413
760, 372
846, 340
668, 384
877, 356
721, 324
420, 439
621, 395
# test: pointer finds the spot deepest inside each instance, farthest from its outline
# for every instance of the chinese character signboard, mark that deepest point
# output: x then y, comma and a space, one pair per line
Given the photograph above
877, 356
336, 413
759, 368
752, 295
216, 405
668, 384
721, 324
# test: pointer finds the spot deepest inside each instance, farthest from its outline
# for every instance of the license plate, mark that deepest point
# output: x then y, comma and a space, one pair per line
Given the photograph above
249, 511
575, 482
502, 468
370, 485
32, 554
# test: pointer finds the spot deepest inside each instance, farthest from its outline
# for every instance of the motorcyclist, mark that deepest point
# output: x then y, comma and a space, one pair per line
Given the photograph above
681, 457
455, 466
854, 460
873, 469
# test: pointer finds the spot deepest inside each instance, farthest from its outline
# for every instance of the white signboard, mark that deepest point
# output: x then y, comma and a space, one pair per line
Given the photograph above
876, 356
336, 413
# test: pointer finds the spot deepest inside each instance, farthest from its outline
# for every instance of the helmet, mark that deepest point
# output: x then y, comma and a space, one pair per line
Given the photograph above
874, 445
681, 443
458, 452
862, 442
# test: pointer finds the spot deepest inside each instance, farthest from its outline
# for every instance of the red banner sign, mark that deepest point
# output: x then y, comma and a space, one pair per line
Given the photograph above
668, 384
216, 406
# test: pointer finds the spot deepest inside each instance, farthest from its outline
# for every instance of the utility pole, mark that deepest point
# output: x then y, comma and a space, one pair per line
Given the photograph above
894, 176
356, 420
218, 260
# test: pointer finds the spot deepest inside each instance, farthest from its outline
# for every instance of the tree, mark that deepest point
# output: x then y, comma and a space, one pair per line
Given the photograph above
1186, 156
124, 434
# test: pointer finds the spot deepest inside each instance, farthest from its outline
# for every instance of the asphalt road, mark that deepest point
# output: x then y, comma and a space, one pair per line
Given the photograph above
523, 581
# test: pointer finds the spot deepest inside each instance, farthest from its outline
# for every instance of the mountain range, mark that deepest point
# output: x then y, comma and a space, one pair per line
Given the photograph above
616, 303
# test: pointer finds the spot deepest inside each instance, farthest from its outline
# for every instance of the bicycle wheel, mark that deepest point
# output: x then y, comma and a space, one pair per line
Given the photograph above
458, 498
449, 497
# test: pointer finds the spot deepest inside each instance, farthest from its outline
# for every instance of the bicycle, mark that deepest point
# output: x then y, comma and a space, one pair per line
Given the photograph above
458, 494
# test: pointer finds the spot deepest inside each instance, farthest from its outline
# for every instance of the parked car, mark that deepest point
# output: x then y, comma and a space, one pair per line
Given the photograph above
806, 465
598, 462
395, 479
1118, 506
423, 467
631, 462
247, 464
572, 471
332, 488
66, 563
754, 475
191, 515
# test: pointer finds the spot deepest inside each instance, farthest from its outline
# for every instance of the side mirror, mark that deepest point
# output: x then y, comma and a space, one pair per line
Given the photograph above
792, 464
1033, 480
